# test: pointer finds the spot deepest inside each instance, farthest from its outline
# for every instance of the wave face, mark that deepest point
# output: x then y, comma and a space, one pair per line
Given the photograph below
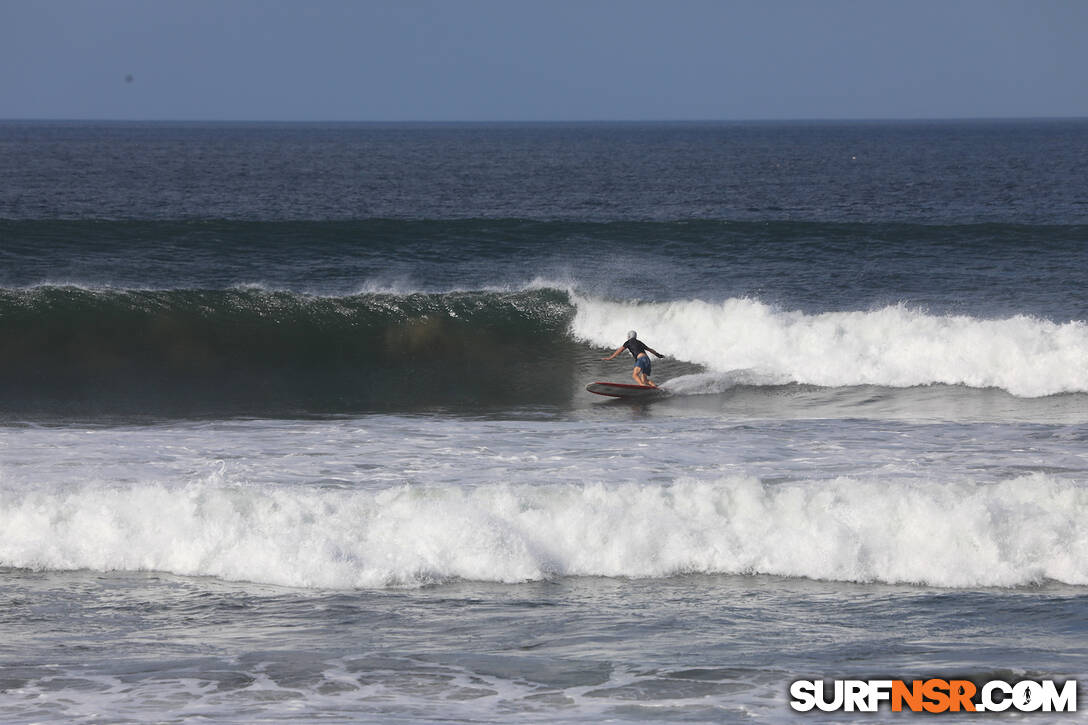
961, 534
895, 346
253, 351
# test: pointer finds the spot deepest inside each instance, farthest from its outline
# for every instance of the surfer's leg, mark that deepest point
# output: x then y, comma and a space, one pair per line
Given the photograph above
641, 373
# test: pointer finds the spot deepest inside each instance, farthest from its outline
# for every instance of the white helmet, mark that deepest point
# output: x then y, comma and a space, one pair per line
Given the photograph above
631, 334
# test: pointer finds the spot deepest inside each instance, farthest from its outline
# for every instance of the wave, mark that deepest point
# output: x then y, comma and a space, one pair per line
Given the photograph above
254, 351
1017, 532
748, 341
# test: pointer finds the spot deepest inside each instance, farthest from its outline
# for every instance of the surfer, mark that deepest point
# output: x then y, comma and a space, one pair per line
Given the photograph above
638, 350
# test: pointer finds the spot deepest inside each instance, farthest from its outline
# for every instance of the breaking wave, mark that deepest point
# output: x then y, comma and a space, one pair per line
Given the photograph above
252, 351
1017, 532
895, 346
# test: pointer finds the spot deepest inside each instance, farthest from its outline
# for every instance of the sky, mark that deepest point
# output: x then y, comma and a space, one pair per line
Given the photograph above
553, 60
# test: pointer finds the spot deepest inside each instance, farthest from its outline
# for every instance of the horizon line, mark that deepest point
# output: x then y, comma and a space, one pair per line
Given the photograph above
813, 119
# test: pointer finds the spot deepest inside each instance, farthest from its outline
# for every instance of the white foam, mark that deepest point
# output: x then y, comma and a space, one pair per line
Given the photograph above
955, 534
895, 346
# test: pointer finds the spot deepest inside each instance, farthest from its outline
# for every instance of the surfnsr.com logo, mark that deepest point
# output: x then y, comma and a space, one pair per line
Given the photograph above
934, 695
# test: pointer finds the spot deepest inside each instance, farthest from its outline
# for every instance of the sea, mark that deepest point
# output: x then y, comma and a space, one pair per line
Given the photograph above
294, 428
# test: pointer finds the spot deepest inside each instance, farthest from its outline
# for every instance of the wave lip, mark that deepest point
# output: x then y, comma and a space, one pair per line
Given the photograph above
895, 346
1014, 533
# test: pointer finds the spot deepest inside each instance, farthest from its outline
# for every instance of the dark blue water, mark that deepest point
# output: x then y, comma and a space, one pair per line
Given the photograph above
959, 172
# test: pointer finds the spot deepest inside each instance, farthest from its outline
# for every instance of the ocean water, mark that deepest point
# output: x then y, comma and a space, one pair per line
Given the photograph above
293, 423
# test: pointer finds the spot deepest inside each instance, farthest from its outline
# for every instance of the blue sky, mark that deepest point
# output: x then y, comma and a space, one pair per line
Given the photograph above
448, 60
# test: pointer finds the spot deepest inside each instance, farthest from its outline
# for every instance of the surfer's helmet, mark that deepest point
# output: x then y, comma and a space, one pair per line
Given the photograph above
631, 334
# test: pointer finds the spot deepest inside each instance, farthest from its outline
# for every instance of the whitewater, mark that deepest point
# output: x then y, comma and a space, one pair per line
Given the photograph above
1019, 532
895, 346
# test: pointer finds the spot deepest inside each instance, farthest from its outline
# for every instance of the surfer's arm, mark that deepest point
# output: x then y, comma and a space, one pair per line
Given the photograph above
655, 352
613, 355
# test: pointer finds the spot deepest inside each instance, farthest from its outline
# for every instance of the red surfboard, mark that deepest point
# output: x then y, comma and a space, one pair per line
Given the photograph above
623, 390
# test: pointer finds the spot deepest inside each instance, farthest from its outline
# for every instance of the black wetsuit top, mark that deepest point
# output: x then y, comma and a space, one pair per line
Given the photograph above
635, 346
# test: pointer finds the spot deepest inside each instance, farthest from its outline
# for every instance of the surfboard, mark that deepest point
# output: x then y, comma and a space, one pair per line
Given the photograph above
623, 390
